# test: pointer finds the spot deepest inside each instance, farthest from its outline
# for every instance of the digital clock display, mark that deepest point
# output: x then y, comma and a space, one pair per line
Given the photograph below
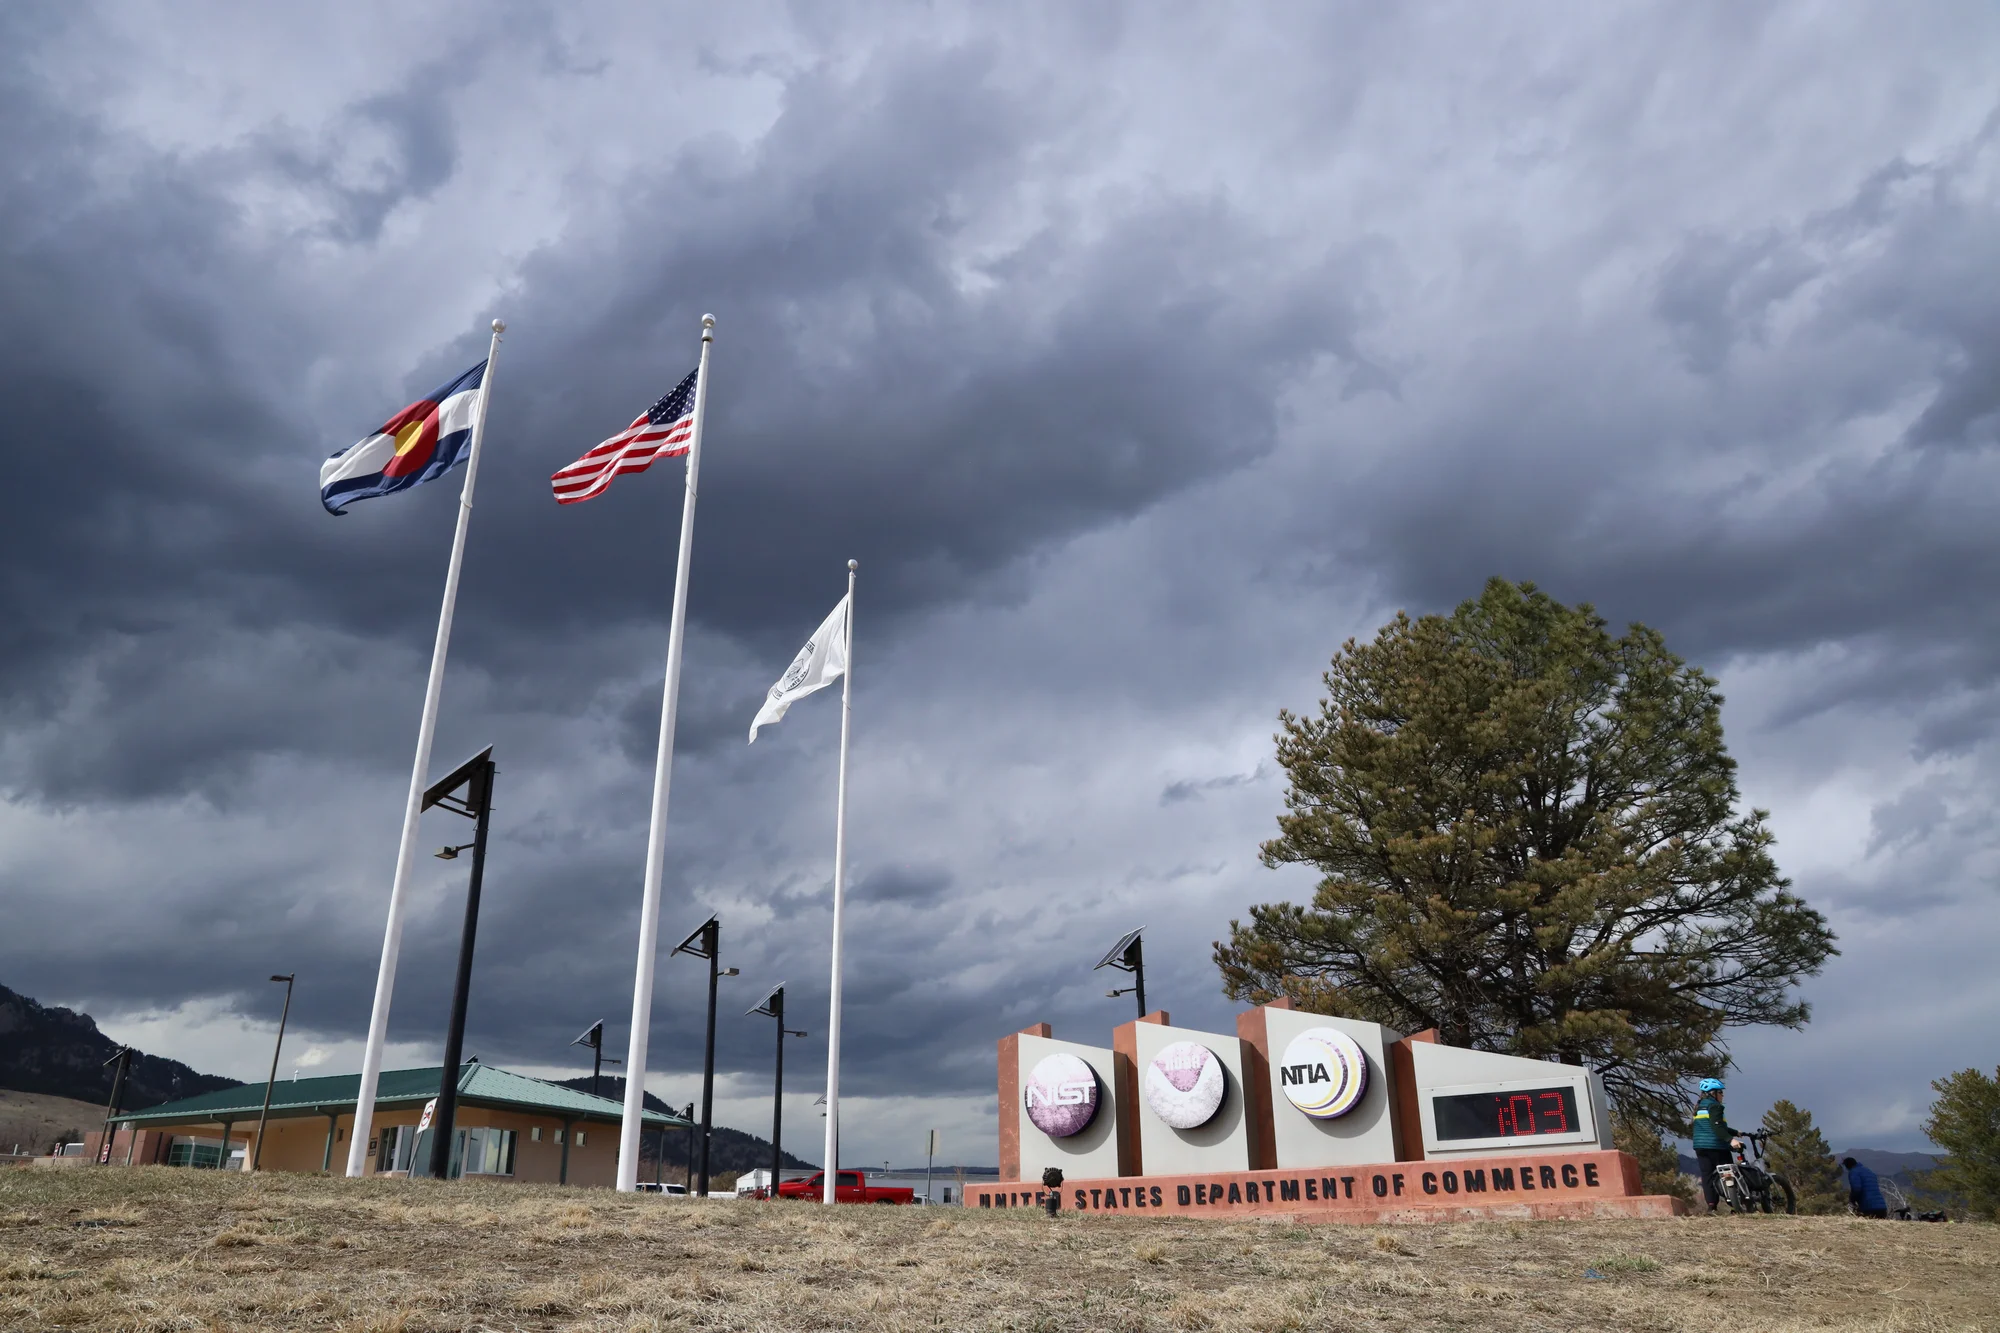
1522, 1113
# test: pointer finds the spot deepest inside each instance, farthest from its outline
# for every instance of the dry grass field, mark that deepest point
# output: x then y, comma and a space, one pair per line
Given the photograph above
158, 1248
33, 1119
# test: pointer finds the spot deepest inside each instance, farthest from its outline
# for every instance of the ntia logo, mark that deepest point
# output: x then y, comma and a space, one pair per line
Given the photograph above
1323, 1073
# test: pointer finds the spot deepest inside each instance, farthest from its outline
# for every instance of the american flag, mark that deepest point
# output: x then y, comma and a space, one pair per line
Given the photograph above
662, 432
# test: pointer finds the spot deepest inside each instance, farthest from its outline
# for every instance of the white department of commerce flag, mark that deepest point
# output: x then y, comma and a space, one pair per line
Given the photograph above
820, 663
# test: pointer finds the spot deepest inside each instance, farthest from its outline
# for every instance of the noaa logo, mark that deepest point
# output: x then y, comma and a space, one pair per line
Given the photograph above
1061, 1095
1323, 1073
1184, 1085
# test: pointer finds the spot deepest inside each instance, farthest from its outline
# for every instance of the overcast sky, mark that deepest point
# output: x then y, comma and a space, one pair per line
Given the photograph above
1141, 355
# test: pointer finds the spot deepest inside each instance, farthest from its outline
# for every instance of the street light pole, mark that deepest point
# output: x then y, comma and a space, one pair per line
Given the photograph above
1137, 957
124, 1062
594, 1039
778, 1104
257, 1150
467, 790
708, 1070
1128, 955
774, 1007
706, 942
687, 1167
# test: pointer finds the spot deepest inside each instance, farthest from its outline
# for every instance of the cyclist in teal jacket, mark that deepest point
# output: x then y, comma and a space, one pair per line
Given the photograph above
1711, 1135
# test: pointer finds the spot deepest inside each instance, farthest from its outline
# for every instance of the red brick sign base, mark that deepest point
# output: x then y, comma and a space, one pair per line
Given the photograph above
1517, 1185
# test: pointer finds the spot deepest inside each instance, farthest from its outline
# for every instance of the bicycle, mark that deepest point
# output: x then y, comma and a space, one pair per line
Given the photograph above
1745, 1185
1900, 1207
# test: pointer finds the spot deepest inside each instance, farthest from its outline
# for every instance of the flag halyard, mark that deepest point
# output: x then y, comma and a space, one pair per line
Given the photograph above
664, 430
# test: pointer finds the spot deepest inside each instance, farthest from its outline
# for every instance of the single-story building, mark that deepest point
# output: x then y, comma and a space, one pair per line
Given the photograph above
507, 1126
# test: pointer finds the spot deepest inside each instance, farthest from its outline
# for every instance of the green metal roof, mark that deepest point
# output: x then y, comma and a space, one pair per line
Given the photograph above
478, 1085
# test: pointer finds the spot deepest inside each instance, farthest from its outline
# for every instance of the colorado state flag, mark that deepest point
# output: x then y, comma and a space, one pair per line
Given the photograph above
420, 443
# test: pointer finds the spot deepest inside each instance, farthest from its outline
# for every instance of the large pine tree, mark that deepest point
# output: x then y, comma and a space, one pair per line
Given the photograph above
1528, 838
1659, 1163
1965, 1122
1798, 1151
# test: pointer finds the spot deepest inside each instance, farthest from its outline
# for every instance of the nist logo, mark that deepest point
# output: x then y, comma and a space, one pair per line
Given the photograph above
1070, 1092
1060, 1095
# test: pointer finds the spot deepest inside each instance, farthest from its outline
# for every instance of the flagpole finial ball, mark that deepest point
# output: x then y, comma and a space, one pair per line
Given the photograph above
853, 565
499, 327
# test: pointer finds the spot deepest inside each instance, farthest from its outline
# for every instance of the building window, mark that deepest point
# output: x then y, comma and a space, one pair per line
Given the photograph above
579, 1138
195, 1152
397, 1141
535, 1134
486, 1151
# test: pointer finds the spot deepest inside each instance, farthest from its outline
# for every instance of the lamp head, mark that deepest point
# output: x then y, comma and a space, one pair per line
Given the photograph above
286, 977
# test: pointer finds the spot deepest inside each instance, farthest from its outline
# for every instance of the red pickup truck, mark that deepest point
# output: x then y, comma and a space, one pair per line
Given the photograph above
850, 1187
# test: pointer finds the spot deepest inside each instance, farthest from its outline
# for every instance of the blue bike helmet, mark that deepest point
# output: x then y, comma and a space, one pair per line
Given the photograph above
1711, 1085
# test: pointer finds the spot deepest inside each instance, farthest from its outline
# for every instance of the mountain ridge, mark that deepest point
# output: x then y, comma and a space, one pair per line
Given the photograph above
60, 1053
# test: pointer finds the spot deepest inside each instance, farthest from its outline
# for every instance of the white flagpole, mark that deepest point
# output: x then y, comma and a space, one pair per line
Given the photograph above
832, 1178
656, 836
406, 851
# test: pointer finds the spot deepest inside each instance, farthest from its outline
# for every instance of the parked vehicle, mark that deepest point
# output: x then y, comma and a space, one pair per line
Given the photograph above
648, 1187
850, 1187
1745, 1186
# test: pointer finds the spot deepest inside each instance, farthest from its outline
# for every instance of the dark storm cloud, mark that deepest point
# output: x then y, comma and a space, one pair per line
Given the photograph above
137, 363
904, 883
1193, 789
1793, 339
417, 154
933, 423
933, 429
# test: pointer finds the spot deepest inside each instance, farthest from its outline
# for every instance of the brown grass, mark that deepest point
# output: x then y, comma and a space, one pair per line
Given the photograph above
33, 1119
157, 1248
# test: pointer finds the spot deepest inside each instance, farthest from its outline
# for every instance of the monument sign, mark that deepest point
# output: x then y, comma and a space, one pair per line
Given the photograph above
1308, 1115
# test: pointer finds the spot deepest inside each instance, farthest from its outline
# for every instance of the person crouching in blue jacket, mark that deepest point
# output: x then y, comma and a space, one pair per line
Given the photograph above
1864, 1190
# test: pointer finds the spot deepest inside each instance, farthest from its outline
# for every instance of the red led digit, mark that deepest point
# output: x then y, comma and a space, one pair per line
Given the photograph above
1500, 1114
1562, 1119
1514, 1104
